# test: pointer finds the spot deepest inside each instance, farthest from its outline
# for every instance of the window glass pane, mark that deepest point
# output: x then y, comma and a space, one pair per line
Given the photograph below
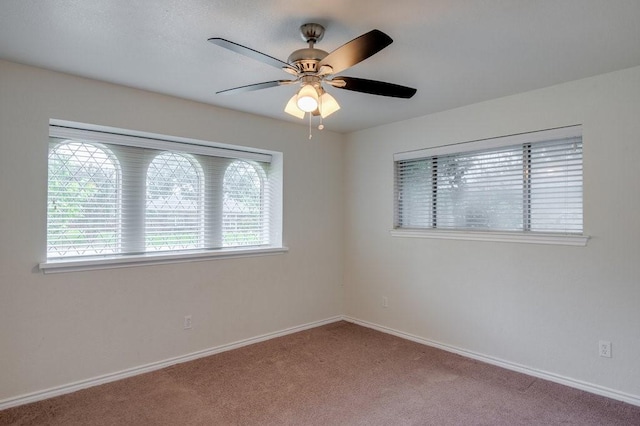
556, 187
480, 191
82, 212
243, 205
414, 194
174, 213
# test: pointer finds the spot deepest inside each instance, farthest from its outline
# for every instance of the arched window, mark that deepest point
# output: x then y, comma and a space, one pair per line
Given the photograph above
116, 196
243, 205
174, 203
83, 197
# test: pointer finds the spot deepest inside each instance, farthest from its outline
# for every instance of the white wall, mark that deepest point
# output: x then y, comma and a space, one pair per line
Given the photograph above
541, 306
544, 307
61, 328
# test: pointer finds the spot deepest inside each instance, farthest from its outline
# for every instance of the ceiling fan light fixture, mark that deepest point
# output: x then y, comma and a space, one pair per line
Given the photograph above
292, 107
328, 105
307, 98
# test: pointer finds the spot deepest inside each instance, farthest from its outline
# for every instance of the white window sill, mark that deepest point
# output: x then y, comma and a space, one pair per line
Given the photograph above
74, 265
502, 237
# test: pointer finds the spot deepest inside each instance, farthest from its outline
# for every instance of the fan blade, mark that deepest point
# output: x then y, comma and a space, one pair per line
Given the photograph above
356, 50
256, 86
373, 87
251, 53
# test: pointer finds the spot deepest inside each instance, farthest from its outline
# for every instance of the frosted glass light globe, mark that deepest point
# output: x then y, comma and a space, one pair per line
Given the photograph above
307, 98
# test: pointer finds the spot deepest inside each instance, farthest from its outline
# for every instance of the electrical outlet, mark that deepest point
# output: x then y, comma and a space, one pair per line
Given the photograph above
385, 302
604, 348
187, 322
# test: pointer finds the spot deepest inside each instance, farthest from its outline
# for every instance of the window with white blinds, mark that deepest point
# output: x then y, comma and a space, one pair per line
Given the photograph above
115, 194
243, 205
174, 208
528, 183
84, 195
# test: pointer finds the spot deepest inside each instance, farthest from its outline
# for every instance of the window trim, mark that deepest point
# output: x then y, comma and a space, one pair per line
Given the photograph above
494, 236
524, 236
108, 135
110, 262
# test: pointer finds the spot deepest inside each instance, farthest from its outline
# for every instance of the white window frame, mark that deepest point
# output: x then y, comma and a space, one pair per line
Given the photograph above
115, 136
489, 235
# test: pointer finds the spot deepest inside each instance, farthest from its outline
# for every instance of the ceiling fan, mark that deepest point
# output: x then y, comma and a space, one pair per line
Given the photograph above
312, 67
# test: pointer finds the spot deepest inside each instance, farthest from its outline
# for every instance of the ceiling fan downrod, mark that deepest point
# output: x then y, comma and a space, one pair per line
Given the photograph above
306, 60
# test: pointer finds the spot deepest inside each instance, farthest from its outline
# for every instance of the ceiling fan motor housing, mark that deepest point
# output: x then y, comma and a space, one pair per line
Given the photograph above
306, 60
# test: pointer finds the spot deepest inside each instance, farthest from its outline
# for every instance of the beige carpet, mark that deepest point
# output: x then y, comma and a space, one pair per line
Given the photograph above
339, 374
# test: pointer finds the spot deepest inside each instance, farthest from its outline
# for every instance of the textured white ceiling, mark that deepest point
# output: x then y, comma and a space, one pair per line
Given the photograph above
455, 52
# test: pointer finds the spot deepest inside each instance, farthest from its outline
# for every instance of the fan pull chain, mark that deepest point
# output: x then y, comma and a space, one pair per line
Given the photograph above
310, 135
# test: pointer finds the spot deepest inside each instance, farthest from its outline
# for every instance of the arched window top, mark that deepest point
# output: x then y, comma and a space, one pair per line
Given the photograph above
244, 174
83, 194
175, 175
243, 205
84, 156
174, 203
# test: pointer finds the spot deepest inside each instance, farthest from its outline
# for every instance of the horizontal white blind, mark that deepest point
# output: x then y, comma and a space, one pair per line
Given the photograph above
83, 206
415, 188
533, 186
108, 199
481, 190
243, 215
555, 190
174, 218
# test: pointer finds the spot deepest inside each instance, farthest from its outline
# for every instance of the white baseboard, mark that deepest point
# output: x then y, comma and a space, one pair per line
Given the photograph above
130, 372
567, 381
112, 377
